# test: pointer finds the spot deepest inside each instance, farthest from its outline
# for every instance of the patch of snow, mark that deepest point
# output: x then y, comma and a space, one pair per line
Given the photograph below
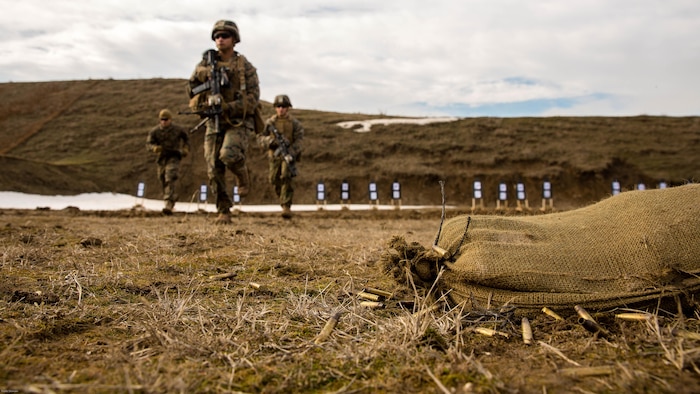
115, 202
366, 125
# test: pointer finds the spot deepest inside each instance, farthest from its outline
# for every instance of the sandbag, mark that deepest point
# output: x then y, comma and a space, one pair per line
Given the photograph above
636, 246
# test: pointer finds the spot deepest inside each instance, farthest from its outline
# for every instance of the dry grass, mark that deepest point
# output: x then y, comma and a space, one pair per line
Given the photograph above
128, 302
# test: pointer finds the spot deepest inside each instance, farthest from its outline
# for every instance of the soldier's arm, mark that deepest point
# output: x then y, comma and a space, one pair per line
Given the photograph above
252, 92
252, 85
297, 137
152, 144
199, 76
265, 138
185, 137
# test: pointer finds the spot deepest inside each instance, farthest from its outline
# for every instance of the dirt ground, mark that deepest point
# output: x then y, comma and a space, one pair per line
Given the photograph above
136, 302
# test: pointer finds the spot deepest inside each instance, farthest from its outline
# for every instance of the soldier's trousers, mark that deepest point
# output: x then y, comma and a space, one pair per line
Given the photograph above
168, 172
281, 179
224, 150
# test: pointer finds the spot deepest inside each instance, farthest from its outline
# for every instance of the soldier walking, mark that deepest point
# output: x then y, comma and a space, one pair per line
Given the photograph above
170, 143
292, 134
225, 147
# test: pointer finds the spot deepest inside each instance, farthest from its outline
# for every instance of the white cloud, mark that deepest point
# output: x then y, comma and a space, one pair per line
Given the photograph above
397, 57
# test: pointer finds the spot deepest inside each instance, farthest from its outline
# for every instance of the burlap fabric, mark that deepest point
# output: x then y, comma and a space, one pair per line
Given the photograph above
632, 247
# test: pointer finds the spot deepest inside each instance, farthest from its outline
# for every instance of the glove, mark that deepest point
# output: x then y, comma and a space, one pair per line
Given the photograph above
157, 149
196, 103
245, 104
270, 142
202, 73
185, 151
238, 108
218, 99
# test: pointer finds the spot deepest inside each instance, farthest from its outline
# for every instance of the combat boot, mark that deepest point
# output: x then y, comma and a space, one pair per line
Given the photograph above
286, 211
169, 205
223, 218
241, 173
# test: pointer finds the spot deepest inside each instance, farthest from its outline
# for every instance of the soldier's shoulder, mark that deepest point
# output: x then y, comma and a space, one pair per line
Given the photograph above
294, 120
246, 63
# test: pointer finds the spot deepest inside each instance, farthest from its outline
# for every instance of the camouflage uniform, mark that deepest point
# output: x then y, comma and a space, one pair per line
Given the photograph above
291, 129
227, 147
171, 143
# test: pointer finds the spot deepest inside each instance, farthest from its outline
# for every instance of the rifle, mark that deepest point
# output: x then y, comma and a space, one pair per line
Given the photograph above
283, 150
214, 84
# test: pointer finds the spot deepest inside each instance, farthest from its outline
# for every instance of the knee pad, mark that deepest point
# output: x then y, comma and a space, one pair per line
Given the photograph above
231, 155
171, 174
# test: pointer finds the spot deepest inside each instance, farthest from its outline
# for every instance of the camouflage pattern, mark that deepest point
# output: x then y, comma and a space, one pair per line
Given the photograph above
226, 148
279, 176
229, 26
222, 151
171, 140
240, 107
282, 100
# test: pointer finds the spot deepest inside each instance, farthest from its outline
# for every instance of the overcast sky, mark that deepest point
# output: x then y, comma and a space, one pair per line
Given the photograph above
396, 57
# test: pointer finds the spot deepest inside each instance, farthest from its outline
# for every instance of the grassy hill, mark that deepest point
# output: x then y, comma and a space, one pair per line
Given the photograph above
72, 137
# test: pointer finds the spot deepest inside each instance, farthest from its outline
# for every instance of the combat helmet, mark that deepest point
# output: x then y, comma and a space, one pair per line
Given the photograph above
282, 100
229, 26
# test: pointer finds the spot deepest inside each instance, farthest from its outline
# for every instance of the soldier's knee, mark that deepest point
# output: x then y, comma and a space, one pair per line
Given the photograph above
231, 155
